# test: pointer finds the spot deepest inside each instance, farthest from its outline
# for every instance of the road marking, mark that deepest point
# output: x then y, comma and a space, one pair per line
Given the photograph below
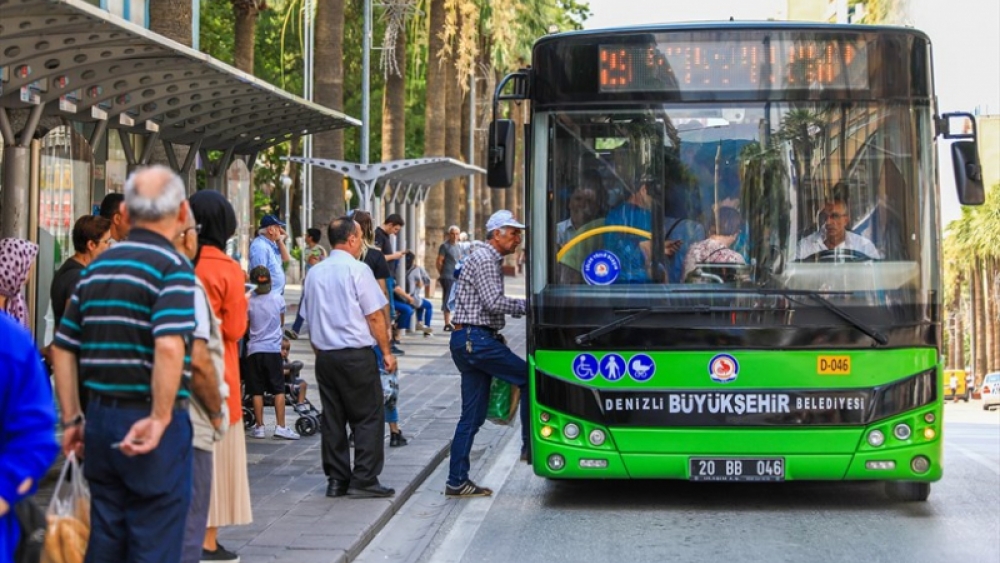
468, 522
978, 458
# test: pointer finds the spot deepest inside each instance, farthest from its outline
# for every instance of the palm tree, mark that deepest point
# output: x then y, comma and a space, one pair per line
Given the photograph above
434, 126
171, 19
245, 12
328, 69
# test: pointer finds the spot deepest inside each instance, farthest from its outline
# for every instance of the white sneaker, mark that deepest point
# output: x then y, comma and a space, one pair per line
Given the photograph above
286, 433
420, 326
257, 432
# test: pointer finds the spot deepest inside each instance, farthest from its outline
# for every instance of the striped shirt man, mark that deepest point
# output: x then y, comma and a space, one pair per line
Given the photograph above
136, 291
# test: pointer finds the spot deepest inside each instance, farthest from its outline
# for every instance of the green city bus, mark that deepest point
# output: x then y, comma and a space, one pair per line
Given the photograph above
734, 266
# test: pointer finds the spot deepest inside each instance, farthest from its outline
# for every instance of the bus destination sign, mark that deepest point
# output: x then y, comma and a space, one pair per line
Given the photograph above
838, 63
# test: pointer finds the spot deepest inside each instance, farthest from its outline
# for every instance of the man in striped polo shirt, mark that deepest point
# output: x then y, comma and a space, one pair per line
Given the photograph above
126, 335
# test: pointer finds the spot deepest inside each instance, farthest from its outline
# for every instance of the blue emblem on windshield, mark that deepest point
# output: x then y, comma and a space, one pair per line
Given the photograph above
601, 268
585, 367
641, 367
612, 367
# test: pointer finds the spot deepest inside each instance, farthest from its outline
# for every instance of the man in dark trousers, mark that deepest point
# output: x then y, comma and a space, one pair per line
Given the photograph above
342, 333
479, 350
126, 333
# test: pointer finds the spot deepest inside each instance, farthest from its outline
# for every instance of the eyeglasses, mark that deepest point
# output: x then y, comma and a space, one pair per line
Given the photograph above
836, 216
196, 228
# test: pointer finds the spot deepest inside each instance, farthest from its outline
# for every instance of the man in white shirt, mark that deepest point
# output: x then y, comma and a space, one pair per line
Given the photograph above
834, 234
343, 332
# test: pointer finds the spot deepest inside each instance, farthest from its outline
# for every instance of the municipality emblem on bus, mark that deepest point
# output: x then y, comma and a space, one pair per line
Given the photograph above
601, 268
723, 368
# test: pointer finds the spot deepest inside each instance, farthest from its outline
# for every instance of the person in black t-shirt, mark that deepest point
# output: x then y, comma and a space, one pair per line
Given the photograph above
91, 236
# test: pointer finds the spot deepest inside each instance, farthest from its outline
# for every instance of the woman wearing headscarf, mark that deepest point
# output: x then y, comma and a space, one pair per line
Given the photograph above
223, 280
16, 258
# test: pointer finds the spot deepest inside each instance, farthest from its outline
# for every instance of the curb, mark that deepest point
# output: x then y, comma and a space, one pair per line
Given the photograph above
398, 501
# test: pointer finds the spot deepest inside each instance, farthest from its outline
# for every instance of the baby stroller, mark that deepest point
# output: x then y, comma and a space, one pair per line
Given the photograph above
308, 422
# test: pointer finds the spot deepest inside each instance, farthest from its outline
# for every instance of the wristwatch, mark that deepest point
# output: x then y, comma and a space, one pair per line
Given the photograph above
215, 415
75, 421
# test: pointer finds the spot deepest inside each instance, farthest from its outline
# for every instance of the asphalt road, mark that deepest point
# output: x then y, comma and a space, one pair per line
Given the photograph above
531, 519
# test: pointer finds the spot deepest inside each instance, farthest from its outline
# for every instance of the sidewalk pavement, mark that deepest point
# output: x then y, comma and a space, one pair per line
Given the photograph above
294, 520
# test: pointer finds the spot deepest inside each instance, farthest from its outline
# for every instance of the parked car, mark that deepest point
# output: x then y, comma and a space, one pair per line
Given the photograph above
991, 391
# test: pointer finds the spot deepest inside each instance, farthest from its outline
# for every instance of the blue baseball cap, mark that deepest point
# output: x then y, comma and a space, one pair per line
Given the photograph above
269, 220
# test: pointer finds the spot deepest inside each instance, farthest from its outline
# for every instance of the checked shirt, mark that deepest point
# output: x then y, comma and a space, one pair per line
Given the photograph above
479, 298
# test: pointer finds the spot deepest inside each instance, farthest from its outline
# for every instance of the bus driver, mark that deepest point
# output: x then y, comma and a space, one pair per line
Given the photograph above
834, 234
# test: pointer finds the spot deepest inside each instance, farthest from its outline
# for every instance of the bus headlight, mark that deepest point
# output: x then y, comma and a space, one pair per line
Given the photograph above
571, 431
929, 433
902, 431
597, 437
546, 431
556, 462
920, 464
876, 438
929, 418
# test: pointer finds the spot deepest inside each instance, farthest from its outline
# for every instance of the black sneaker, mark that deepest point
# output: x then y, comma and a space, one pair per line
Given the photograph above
396, 439
467, 490
396, 351
220, 554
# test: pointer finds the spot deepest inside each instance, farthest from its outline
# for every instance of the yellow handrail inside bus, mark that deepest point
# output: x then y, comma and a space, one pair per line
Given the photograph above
599, 231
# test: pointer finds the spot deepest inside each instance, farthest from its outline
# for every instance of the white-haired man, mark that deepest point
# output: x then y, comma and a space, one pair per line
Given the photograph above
449, 254
125, 333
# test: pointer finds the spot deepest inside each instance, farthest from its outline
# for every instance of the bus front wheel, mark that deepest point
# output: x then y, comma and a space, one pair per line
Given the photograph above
908, 491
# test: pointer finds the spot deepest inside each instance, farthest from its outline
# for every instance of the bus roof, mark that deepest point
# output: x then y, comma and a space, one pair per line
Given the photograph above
733, 25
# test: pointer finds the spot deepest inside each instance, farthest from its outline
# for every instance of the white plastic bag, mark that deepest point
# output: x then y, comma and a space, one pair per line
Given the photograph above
68, 516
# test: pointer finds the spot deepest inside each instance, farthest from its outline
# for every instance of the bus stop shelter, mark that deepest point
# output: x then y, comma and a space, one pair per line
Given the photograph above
402, 185
75, 80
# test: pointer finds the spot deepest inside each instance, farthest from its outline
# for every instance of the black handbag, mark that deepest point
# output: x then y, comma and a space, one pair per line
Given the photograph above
31, 519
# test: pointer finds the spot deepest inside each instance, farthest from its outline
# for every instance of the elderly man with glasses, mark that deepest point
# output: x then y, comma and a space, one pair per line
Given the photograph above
834, 236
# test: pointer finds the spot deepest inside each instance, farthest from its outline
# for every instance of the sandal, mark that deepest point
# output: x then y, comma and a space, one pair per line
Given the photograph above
467, 490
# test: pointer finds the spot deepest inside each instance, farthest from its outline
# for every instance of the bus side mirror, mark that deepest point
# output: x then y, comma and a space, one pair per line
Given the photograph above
968, 173
500, 169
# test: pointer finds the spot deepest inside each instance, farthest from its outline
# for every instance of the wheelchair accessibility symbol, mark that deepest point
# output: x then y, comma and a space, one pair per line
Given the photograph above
585, 367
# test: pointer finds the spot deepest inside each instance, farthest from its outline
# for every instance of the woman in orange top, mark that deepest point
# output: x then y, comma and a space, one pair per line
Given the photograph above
223, 279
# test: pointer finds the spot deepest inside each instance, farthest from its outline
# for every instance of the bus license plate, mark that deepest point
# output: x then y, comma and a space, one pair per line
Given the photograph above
743, 469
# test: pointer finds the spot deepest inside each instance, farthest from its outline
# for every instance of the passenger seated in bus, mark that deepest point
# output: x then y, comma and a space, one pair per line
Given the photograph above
833, 235
633, 251
724, 227
583, 206
584, 210
682, 206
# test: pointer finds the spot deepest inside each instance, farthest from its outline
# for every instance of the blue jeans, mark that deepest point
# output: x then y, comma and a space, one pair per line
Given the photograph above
299, 319
425, 311
489, 358
138, 504
391, 414
405, 314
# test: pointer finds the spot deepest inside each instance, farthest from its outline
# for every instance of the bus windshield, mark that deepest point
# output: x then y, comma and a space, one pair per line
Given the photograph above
682, 203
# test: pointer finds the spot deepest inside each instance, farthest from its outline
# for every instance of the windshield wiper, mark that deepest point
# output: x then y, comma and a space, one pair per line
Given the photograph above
869, 331
636, 314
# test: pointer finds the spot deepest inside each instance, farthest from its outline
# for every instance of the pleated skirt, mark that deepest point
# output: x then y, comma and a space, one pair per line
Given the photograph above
230, 503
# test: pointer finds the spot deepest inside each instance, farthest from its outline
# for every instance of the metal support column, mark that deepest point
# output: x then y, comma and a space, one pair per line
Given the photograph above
17, 175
